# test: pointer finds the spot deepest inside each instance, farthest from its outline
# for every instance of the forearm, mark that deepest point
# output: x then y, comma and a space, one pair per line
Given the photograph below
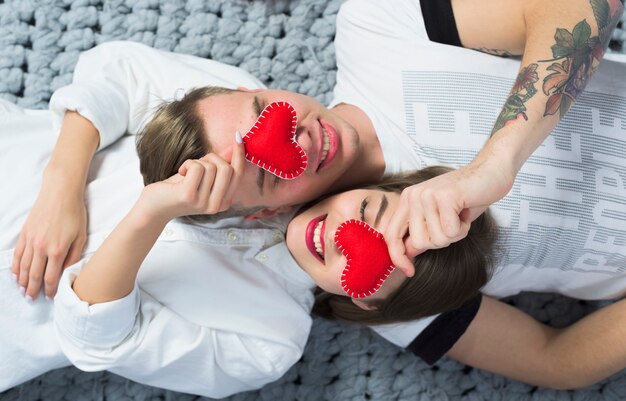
592, 349
111, 272
507, 341
563, 43
69, 163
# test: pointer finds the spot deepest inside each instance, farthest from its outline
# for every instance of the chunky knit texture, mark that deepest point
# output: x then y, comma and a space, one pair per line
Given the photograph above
288, 45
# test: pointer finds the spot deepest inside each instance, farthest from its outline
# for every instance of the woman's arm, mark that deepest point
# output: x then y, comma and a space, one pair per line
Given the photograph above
55, 231
204, 186
506, 341
130, 333
563, 42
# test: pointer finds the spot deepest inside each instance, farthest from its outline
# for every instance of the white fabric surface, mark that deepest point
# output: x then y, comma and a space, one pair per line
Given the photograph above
563, 224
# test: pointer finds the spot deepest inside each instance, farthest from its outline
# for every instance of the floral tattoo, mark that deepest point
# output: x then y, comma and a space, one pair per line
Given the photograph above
575, 57
523, 89
496, 52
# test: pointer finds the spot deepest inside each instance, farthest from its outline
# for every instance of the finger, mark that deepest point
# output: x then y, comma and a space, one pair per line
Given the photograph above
451, 223
54, 268
215, 182
182, 170
433, 235
18, 253
394, 235
75, 252
25, 263
238, 164
193, 178
410, 250
35, 275
468, 215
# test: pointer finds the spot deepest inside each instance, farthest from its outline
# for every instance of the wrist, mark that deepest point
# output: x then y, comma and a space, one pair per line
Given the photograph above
497, 168
63, 181
145, 215
503, 155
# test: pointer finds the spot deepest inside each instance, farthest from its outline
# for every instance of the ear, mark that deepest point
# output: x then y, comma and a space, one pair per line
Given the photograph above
244, 89
268, 212
364, 305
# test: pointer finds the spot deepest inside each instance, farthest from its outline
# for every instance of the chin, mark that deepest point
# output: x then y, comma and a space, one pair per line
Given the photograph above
291, 237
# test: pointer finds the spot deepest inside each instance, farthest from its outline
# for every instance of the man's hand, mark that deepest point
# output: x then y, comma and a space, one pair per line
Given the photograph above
439, 211
52, 238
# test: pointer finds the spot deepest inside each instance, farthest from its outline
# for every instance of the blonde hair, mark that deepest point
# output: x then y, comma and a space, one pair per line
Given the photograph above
175, 133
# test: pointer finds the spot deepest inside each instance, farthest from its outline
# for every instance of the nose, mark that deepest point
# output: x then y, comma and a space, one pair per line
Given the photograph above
303, 138
334, 219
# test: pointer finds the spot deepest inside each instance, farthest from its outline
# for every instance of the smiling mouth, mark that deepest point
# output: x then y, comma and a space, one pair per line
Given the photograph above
314, 237
325, 147
318, 239
329, 146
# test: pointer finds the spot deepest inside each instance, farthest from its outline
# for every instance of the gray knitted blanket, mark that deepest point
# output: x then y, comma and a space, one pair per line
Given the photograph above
288, 45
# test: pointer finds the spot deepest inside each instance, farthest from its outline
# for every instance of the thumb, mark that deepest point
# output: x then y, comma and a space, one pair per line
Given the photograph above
468, 215
410, 250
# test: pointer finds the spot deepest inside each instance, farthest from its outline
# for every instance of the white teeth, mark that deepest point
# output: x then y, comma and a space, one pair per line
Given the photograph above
326, 146
317, 239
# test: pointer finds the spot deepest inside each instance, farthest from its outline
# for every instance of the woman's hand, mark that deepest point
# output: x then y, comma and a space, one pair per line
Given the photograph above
202, 186
438, 212
52, 238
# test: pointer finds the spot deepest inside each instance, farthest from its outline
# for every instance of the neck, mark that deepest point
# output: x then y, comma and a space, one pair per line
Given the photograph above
369, 166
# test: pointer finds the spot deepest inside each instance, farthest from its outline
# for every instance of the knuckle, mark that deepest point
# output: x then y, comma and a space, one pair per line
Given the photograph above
54, 253
39, 244
189, 196
49, 281
211, 168
34, 276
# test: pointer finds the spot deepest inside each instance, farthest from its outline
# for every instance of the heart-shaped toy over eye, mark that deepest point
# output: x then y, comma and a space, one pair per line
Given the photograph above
271, 142
369, 263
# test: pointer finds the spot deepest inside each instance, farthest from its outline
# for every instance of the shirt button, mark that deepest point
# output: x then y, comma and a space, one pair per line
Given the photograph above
232, 236
169, 232
262, 257
278, 238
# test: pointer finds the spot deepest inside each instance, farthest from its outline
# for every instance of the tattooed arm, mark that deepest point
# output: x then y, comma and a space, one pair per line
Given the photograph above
562, 43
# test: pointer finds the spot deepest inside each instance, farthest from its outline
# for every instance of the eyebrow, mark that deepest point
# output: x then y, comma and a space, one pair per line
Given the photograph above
383, 206
256, 105
260, 179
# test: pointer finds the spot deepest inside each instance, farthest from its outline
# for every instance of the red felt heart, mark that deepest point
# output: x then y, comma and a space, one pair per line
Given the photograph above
271, 142
369, 263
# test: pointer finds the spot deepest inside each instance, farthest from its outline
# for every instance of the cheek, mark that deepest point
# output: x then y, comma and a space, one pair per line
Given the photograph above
332, 275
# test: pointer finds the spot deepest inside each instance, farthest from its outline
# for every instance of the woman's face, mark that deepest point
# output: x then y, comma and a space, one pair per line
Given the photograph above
331, 145
310, 236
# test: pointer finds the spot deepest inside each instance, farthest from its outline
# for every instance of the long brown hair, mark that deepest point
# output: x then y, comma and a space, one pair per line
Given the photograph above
444, 279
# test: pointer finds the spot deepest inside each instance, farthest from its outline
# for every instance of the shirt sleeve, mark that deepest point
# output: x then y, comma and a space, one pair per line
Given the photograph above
139, 338
442, 333
117, 85
439, 22
432, 337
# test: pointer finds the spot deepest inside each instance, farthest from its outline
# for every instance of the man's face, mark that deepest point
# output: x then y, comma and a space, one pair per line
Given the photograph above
238, 111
